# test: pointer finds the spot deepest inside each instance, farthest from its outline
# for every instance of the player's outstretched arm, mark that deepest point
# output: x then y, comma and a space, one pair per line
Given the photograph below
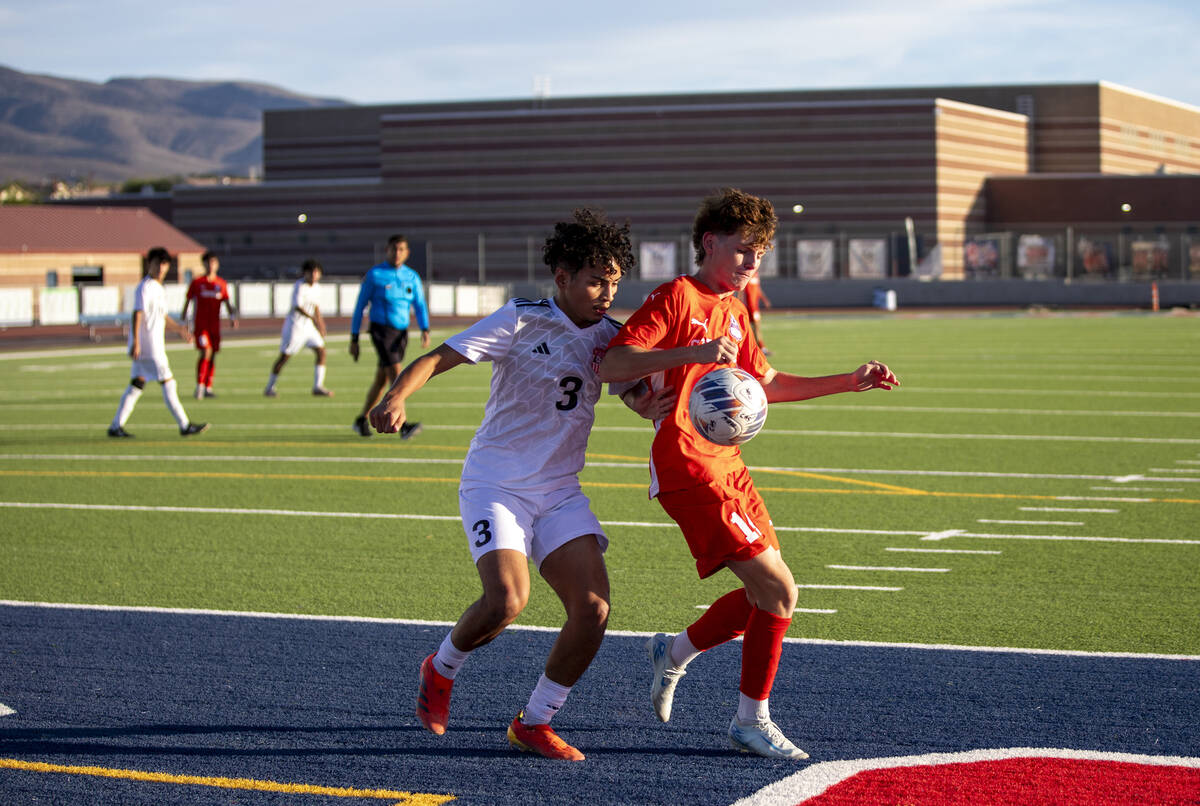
783, 386
874, 375
389, 415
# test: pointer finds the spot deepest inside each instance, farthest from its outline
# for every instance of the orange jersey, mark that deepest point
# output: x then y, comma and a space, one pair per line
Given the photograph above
677, 314
753, 294
208, 296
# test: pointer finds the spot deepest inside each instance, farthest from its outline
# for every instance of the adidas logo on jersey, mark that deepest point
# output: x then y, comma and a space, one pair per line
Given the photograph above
542, 349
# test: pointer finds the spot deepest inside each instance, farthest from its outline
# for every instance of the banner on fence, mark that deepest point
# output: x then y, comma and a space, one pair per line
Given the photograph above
656, 260
868, 258
814, 259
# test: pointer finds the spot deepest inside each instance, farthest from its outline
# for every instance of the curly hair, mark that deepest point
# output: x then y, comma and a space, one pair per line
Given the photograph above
732, 210
589, 240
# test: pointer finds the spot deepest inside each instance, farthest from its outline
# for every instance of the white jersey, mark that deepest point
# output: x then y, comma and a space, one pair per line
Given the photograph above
544, 391
304, 297
151, 299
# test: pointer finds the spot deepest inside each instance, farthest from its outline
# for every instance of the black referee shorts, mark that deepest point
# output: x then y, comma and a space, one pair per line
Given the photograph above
390, 343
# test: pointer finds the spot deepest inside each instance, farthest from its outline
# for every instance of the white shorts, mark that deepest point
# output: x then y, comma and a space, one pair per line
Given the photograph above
152, 367
534, 524
298, 335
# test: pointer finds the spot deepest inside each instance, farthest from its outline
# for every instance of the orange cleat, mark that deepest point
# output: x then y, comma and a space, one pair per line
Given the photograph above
433, 698
540, 739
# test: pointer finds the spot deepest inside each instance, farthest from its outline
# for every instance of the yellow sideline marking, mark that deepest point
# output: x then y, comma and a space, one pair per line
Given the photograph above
383, 443
877, 484
881, 489
399, 798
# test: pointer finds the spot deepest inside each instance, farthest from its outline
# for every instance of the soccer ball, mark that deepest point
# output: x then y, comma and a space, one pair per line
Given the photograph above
728, 406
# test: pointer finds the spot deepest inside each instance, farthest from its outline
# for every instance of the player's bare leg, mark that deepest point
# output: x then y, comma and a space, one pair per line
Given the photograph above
505, 577
576, 573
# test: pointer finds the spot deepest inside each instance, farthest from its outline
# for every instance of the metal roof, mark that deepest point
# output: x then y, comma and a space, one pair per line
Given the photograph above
54, 228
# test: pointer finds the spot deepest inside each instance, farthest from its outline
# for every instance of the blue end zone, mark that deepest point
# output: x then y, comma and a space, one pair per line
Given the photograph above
330, 703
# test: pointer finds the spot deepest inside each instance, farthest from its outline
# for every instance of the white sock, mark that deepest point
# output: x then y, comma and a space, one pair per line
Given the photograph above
125, 408
319, 376
271, 381
449, 658
682, 650
171, 396
544, 702
751, 710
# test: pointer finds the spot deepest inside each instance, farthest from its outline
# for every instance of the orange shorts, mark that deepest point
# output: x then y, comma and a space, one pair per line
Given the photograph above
721, 521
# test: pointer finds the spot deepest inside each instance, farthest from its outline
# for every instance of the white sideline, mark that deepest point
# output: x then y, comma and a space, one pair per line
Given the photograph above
188, 611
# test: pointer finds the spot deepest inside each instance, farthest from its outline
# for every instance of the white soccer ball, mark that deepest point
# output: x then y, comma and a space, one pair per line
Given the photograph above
728, 406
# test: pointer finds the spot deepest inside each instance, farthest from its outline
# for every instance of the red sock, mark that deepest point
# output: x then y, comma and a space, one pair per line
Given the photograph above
210, 365
724, 620
760, 653
201, 371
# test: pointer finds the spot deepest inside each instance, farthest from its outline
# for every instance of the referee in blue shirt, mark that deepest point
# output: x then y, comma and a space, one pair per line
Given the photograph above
390, 290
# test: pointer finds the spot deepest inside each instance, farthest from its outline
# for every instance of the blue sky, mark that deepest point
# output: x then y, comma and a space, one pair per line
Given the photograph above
369, 52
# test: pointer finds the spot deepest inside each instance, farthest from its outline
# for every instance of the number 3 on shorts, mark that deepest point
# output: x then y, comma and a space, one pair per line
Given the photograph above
483, 528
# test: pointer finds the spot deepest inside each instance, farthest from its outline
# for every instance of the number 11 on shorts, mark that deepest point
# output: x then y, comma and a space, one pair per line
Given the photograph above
748, 529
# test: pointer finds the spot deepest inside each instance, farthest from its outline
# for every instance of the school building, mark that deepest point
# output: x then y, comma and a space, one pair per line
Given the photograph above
975, 181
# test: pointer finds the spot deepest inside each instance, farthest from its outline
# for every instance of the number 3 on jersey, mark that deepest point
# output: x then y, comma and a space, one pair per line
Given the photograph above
570, 386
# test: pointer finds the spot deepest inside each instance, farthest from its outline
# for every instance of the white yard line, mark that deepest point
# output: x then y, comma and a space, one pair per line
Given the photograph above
880, 588
901, 569
625, 633
942, 551
1067, 509
1078, 538
1030, 523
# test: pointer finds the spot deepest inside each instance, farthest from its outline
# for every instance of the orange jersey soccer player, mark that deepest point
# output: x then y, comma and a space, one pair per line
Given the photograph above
208, 292
685, 328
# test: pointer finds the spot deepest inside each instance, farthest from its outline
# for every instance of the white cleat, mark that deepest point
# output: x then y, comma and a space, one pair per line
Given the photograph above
763, 738
666, 677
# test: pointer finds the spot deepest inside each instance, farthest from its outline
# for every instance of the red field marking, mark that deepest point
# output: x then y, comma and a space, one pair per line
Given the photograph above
1030, 777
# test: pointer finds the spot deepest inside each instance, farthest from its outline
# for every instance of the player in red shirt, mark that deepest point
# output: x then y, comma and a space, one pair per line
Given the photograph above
685, 328
756, 298
208, 292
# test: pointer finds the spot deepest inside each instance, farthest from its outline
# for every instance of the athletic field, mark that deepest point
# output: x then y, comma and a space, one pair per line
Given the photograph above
999, 571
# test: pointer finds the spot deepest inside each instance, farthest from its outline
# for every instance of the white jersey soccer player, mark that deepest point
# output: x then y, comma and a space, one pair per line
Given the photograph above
543, 394
525, 457
148, 349
520, 495
300, 329
151, 299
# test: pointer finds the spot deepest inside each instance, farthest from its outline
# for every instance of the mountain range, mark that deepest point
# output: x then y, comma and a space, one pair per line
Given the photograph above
59, 128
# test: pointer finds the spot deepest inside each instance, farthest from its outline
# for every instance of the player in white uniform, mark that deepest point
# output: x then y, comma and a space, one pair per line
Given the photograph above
520, 496
303, 327
148, 348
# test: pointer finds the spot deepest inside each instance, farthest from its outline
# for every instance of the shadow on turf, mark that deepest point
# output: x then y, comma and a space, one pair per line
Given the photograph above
71, 741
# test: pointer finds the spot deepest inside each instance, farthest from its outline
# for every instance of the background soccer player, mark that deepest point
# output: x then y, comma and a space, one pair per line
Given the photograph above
684, 329
208, 292
520, 496
303, 327
148, 348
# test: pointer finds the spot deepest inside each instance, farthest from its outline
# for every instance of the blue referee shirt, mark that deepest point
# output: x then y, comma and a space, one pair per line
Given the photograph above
391, 292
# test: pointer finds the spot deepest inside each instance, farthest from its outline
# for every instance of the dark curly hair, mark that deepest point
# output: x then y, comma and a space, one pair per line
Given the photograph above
590, 239
732, 210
